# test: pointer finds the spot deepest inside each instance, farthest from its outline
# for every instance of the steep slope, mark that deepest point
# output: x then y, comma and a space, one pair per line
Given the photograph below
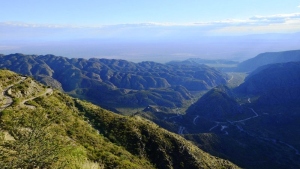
260, 117
217, 104
107, 82
276, 84
268, 58
53, 130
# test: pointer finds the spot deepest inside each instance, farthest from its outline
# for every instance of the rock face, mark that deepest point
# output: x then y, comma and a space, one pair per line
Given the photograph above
268, 58
110, 80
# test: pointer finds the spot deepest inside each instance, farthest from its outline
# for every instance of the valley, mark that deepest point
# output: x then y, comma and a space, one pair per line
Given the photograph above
150, 84
241, 117
249, 118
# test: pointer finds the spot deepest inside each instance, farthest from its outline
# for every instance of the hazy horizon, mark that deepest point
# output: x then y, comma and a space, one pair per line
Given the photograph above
154, 31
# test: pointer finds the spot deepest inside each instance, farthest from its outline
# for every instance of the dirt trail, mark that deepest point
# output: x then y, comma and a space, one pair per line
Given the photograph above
194, 121
235, 123
23, 103
7, 99
228, 81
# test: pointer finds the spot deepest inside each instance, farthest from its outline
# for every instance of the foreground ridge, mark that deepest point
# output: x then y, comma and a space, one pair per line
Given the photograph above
43, 128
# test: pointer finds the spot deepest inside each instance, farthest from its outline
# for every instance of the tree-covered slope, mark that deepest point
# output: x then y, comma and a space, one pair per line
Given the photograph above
272, 77
216, 104
44, 128
255, 125
108, 81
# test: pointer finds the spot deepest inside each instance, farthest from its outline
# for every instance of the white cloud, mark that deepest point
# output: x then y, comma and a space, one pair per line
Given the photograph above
255, 24
255, 20
279, 17
21, 24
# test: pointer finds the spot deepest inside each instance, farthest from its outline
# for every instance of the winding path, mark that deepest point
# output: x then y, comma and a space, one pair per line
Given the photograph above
194, 121
246, 119
233, 123
223, 127
23, 103
217, 124
7, 99
230, 79
249, 100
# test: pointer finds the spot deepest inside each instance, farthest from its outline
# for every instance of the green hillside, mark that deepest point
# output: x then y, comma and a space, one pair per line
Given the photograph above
44, 128
117, 83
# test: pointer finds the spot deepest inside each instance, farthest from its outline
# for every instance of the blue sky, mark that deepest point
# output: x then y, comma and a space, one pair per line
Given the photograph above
99, 12
35, 23
97, 18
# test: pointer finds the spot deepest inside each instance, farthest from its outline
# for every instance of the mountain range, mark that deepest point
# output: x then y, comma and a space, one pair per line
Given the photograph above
255, 125
268, 58
117, 83
248, 65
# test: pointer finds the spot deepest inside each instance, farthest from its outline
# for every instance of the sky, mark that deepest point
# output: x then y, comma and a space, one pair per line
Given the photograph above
99, 12
41, 23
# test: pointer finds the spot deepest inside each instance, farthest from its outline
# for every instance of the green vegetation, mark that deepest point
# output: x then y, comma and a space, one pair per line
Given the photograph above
61, 122
252, 121
7, 78
63, 132
35, 143
217, 104
27, 89
118, 83
145, 139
